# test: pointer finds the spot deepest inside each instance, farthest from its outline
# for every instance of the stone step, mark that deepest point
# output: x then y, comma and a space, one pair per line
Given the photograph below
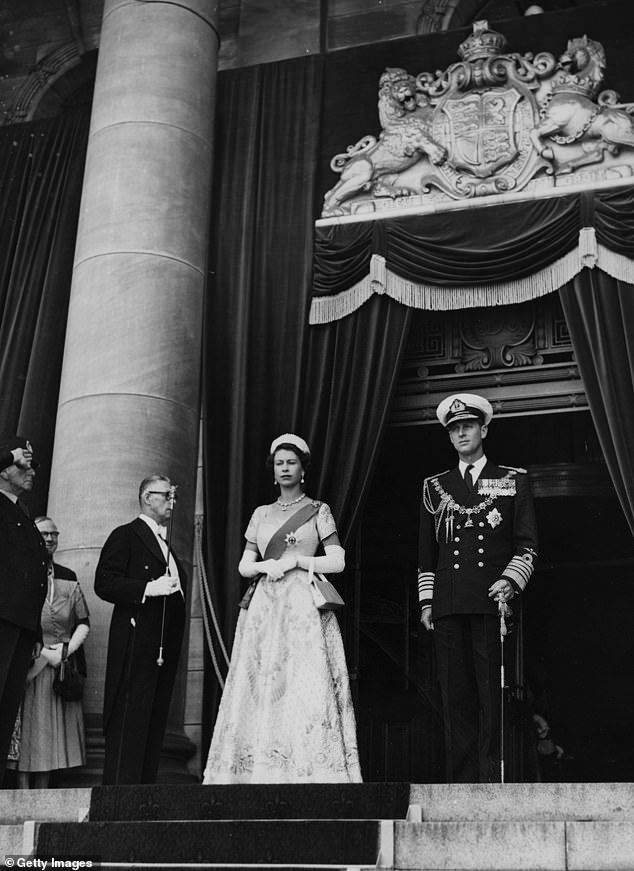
10, 841
514, 846
327, 801
522, 802
276, 842
17, 805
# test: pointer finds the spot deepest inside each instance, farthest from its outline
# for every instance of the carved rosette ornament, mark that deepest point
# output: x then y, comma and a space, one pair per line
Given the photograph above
493, 123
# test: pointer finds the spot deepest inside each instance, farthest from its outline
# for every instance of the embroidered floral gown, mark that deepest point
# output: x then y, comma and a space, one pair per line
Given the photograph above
286, 714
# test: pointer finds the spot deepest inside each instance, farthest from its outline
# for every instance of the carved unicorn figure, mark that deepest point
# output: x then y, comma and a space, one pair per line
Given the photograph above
569, 114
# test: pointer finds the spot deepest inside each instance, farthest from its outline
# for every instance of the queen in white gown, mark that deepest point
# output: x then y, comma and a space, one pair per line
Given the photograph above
286, 714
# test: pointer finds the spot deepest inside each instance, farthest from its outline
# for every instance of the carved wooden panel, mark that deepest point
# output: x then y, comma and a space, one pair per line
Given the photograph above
520, 356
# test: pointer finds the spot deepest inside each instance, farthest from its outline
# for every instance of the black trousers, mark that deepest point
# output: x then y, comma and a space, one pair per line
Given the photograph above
135, 730
468, 657
16, 650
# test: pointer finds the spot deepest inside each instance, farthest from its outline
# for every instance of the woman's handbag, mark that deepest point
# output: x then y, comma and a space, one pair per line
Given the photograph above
69, 682
325, 596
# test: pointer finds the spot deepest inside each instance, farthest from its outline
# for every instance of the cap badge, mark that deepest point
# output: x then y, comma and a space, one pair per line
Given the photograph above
457, 406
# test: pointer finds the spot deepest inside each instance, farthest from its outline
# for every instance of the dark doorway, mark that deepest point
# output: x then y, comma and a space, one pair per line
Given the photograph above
576, 648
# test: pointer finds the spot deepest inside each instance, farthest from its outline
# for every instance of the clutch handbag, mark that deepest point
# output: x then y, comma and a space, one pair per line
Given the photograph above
69, 682
325, 596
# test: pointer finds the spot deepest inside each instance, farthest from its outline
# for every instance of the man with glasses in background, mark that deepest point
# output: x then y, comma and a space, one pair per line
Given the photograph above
145, 582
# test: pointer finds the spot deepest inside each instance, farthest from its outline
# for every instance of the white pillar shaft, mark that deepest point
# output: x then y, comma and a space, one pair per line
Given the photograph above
129, 396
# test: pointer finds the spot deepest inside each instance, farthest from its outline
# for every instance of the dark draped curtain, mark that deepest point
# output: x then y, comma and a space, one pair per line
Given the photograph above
474, 247
350, 374
599, 312
496, 243
41, 171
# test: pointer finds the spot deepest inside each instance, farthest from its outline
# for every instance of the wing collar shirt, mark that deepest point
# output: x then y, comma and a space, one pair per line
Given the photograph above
159, 531
476, 468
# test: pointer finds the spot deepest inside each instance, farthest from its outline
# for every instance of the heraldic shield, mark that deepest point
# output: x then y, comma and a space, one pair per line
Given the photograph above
481, 130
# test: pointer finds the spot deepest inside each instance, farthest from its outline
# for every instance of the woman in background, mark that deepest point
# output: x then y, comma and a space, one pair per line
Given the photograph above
286, 715
53, 729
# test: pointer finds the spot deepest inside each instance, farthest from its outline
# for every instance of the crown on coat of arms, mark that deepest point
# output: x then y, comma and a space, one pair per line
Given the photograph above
568, 83
589, 54
482, 43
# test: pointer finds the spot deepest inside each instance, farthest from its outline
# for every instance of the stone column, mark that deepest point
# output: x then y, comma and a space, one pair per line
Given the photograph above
130, 390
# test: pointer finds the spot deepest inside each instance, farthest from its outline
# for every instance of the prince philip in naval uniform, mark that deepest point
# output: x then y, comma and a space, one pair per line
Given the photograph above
478, 540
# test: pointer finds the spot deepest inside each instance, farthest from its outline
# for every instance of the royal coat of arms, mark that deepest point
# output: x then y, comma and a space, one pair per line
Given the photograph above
493, 123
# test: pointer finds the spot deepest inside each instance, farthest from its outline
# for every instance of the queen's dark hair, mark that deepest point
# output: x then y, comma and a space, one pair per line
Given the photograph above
303, 457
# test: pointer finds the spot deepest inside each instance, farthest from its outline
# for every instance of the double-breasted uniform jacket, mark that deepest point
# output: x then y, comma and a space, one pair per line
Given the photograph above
469, 541
129, 559
23, 565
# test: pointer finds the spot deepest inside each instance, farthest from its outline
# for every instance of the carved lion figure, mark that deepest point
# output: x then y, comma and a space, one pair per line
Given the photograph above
405, 115
569, 113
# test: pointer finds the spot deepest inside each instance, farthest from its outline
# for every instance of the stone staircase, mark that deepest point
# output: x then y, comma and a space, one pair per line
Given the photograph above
418, 827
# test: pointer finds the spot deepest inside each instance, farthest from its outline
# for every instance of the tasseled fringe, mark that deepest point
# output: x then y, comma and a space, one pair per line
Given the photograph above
325, 309
435, 298
615, 265
588, 253
381, 280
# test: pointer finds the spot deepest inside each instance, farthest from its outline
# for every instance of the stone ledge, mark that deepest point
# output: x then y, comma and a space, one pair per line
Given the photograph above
600, 846
524, 801
63, 805
473, 846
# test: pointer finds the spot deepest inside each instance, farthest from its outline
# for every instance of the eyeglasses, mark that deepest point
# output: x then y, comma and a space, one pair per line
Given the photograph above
166, 494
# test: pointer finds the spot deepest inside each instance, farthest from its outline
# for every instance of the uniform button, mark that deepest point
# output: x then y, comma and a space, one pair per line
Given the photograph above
457, 538
458, 526
481, 523
456, 553
480, 538
18, 523
480, 565
456, 565
480, 550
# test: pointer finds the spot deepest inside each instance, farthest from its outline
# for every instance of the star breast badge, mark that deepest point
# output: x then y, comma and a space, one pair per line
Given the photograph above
291, 539
494, 518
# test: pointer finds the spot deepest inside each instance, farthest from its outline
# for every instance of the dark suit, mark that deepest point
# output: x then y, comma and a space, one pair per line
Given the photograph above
23, 582
137, 690
468, 542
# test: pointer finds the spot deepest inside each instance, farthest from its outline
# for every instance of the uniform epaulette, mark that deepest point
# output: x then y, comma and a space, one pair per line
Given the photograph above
514, 469
439, 475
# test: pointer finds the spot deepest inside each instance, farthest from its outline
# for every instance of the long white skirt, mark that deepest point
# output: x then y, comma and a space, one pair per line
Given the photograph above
286, 714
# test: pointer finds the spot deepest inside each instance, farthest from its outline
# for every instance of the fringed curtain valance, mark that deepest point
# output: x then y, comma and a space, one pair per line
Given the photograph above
494, 255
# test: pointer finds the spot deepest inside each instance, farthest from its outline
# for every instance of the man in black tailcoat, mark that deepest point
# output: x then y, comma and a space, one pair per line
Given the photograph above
23, 568
146, 584
478, 540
